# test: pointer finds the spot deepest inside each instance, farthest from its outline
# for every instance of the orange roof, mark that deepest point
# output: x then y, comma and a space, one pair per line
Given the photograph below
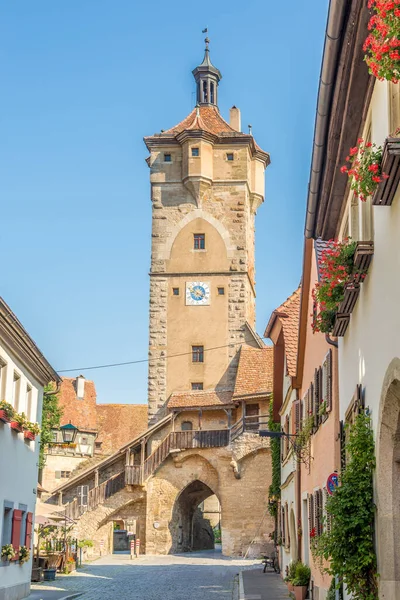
255, 371
119, 423
289, 315
209, 119
200, 398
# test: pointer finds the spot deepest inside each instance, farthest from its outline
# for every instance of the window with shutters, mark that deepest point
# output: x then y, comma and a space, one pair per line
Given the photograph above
283, 528
23, 508
318, 512
83, 491
311, 519
327, 518
297, 405
16, 530
7, 523
28, 530
327, 378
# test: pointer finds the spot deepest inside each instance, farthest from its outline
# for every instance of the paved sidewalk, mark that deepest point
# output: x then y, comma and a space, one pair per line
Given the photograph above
203, 575
51, 595
256, 585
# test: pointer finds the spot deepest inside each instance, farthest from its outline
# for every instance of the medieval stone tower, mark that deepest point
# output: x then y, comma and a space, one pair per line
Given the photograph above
207, 181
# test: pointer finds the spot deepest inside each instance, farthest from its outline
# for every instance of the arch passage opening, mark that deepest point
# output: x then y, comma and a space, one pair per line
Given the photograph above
196, 519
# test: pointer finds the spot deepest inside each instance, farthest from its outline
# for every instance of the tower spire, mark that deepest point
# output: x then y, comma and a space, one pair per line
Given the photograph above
207, 78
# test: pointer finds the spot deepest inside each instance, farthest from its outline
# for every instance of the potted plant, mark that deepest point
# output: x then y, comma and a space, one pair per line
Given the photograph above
49, 574
6, 411
24, 554
70, 565
18, 422
31, 430
7, 552
301, 580
291, 575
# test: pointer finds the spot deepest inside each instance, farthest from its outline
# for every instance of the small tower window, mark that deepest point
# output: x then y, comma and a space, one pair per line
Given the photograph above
198, 354
198, 385
175, 291
167, 157
205, 92
199, 241
221, 291
212, 93
195, 152
229, 156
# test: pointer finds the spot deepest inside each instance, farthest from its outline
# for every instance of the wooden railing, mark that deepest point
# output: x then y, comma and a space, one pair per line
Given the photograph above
175, 440
96, 496
250, 424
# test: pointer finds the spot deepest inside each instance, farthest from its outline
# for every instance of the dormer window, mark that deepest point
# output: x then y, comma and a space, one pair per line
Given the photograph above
195, 152
167, 157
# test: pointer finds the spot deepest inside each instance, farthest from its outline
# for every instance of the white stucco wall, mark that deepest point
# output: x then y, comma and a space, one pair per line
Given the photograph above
288, 480
18, 463
372, 340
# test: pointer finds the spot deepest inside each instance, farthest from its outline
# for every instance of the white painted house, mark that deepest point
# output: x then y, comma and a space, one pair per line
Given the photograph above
24, 372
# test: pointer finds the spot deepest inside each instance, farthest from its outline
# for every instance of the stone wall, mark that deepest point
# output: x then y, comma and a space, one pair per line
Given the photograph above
226, 209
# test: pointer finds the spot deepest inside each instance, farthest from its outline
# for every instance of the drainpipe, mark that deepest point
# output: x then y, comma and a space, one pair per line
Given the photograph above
333, 34
330, 341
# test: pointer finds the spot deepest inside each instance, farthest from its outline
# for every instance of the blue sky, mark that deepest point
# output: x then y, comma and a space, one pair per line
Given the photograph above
82, 83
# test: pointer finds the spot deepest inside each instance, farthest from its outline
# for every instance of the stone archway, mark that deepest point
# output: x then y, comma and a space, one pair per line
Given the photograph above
190, 530
388, 485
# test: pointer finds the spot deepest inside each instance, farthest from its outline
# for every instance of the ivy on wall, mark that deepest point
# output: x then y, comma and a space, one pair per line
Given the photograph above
274, 492
347, 543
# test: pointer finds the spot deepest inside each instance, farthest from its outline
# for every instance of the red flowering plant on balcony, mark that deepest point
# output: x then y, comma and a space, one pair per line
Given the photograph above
365, 168
382, 45
336, 269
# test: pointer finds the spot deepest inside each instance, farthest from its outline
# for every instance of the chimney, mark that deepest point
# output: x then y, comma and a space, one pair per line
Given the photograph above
234, 118
80, 387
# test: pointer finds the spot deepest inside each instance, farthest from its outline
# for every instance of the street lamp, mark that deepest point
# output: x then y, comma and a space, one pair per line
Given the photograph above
69, 432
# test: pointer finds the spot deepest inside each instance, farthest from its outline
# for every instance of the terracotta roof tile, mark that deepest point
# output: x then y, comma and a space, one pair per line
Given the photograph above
81, 412
119, 423
255, 371
200, 398
320, 247
209, 120
289, 314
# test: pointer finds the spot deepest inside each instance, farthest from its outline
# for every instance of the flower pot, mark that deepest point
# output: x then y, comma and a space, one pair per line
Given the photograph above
290, 586
3, 416
15, 426
49, 574
300, 592
28, 435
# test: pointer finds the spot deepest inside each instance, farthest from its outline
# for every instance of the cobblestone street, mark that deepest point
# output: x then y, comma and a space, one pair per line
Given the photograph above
195, 576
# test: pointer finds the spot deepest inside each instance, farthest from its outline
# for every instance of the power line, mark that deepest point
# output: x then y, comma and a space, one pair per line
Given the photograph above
146, 360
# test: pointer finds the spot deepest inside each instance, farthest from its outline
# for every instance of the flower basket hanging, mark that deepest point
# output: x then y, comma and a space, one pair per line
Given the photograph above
18, 422
6, 411
382, 45
387, 188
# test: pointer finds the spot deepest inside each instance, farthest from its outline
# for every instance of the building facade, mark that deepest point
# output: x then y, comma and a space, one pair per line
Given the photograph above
283, 330
210, 374
24, 372
100, 430
368, 349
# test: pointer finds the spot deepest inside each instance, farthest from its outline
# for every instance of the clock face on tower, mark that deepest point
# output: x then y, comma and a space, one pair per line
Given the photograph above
197, 293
